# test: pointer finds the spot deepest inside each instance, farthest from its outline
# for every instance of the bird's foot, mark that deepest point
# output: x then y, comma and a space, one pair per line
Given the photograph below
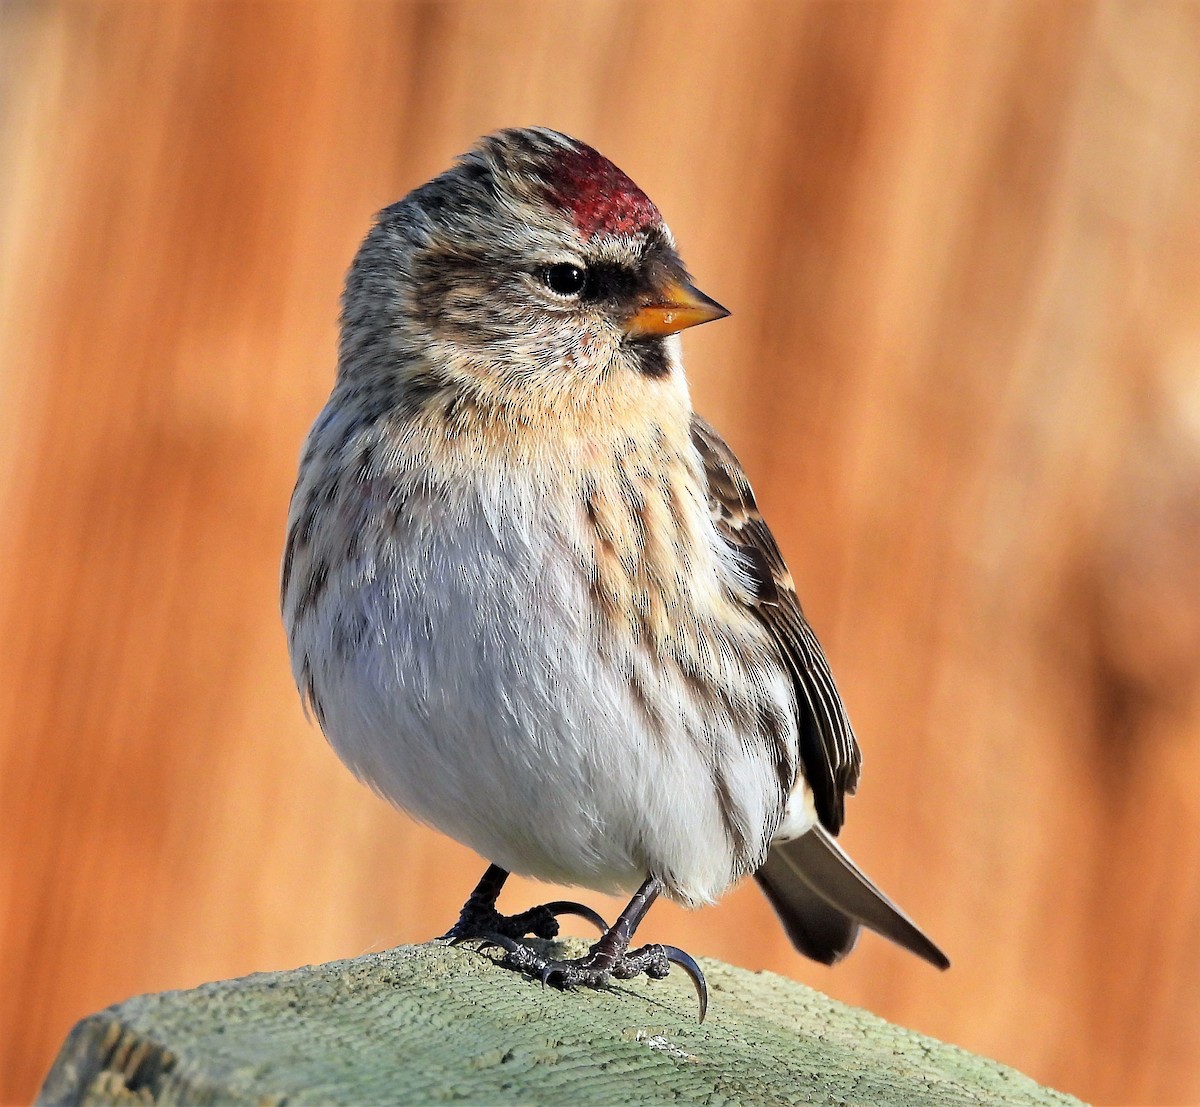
598, 968
484, 921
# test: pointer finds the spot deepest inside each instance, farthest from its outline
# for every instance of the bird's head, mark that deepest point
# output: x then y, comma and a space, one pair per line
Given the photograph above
533, 269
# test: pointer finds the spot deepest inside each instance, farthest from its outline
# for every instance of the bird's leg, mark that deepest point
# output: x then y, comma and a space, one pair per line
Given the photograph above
611, 957
480, 919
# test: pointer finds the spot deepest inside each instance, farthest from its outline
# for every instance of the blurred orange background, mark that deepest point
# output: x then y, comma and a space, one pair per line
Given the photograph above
961, 243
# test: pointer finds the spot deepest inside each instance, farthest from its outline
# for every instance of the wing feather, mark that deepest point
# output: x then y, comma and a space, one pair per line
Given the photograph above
829, 753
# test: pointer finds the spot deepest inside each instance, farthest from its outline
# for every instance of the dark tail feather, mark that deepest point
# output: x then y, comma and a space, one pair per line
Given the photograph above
822, 898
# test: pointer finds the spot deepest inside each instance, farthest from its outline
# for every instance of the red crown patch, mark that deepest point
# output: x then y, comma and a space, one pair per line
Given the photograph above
597, 195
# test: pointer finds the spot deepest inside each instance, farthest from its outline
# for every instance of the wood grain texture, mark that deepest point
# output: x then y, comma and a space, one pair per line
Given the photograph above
962, 248
428, 1024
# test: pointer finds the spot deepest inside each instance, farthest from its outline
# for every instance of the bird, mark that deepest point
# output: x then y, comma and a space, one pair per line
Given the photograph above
528, 593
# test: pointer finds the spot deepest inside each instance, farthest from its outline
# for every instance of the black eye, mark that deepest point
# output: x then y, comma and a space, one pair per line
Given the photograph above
564, 279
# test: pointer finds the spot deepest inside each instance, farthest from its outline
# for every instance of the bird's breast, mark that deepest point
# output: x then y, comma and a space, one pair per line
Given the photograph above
552, 669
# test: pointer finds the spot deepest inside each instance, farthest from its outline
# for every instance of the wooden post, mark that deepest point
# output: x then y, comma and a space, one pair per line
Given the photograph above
425, 1024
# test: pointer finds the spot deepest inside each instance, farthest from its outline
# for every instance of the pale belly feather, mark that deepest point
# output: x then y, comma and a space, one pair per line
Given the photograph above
474, 697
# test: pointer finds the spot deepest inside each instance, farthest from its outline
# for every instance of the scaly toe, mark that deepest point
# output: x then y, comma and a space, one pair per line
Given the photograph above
541, 922
516, 955
574, 974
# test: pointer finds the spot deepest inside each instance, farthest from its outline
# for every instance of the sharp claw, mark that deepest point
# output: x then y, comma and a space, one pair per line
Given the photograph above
567, 907
688, 963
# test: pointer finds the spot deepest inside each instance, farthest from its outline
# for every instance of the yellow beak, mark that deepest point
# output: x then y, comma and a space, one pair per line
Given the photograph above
680, 305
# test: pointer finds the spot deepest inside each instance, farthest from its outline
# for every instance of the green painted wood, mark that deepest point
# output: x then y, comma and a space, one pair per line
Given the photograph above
429, 1024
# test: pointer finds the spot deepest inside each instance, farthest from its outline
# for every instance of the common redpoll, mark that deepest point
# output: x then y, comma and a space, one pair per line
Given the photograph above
527, 591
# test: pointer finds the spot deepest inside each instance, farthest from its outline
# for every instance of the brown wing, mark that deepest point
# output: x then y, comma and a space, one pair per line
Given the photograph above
829, 753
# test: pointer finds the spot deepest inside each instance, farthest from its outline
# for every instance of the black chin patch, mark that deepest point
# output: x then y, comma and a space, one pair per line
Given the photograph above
651, 355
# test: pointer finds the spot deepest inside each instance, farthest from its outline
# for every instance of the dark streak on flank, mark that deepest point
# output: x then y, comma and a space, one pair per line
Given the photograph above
289, 558
734, 827
708, 693
635, 503
589, 506
395, 513
318, 579
365, 463
647, 709
774, 728
309, 689
349, 633
604, 534
355, 545
309, 521
672, 497
604, 599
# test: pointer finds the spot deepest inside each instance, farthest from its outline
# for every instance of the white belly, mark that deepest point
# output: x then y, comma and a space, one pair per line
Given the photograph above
473, 694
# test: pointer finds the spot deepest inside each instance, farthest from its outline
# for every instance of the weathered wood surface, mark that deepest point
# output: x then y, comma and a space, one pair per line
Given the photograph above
430, 1024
